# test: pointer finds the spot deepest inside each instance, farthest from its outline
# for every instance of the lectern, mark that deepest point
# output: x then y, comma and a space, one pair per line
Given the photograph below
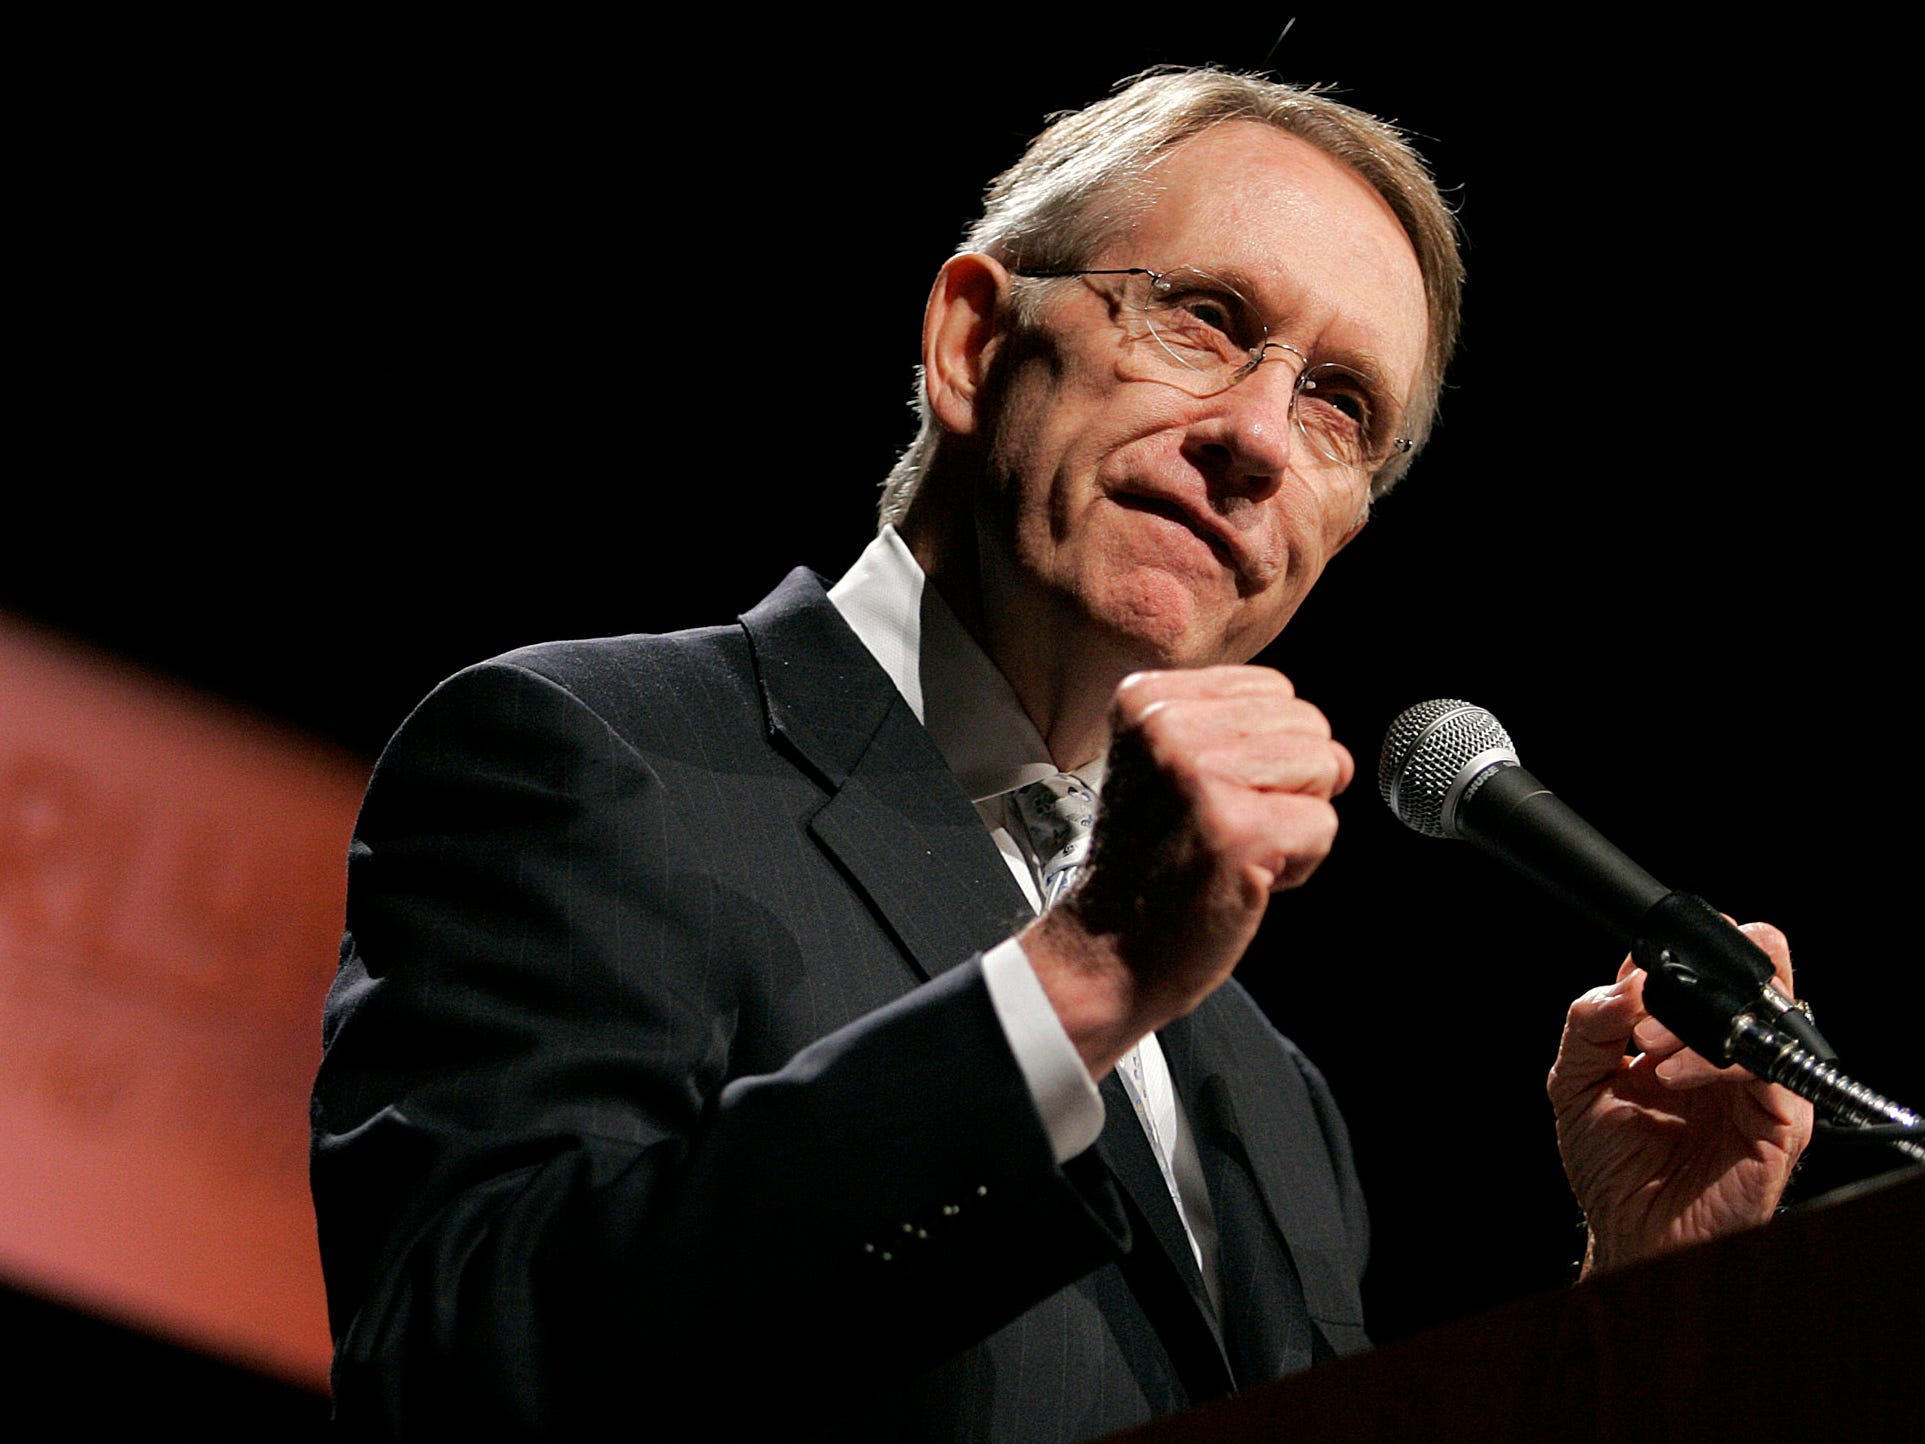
1810, 1329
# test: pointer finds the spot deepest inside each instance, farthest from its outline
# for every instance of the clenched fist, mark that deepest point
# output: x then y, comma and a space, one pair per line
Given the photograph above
1218, 794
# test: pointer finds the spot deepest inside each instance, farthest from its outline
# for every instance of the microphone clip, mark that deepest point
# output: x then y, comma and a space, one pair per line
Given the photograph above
1703, 975
1711, 985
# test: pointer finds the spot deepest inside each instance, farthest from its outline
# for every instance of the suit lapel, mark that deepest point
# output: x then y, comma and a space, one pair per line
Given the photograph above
1244, 1136
893, 797
1126, 1149
896, 819
1161, 1266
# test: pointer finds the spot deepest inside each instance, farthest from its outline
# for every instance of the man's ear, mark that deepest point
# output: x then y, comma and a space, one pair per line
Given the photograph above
962, 329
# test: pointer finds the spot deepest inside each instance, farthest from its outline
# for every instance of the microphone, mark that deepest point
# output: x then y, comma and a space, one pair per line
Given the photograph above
1449, 769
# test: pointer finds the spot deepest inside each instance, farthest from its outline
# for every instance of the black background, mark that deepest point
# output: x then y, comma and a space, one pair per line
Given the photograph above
353, 355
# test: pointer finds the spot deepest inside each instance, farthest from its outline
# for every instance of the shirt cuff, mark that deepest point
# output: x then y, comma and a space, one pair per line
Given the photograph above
1066, 1099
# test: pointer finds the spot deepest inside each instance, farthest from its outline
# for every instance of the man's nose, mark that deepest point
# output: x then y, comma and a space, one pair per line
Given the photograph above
1246, 438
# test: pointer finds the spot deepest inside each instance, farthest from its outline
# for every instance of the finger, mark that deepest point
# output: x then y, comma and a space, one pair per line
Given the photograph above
1245, 715
1274, 839
1284, 765
1205, 682
1251, 703
1304, 829
1238, 714
1596, 1029
1776, 947
1346, 767
1142, 693
1278, 744
1605, 1016
1687, 1068
1656, 1040
1664, 1053
1679, 1067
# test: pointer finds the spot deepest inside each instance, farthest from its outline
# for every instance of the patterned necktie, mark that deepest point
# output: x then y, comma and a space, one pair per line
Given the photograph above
1057, 813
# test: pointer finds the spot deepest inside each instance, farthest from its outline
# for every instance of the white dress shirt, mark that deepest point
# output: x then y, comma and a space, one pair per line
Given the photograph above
979, 726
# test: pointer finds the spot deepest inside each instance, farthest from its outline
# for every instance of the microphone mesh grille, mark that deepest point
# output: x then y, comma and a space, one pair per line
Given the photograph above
1425, 750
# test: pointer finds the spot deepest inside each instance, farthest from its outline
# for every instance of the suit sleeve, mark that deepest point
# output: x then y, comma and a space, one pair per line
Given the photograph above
559, 1179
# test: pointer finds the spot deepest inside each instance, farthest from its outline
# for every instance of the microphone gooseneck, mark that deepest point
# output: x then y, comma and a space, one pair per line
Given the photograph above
1449, 769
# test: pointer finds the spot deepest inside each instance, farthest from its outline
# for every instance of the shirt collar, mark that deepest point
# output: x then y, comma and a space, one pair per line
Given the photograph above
957, 693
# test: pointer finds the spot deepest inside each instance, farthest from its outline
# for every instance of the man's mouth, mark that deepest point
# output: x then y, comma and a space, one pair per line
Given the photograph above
1211, 536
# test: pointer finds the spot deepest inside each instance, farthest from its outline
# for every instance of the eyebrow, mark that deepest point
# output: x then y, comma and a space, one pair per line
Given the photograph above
1365, 363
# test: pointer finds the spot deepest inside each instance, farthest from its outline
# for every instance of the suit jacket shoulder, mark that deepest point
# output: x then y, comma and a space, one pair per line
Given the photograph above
649, 1045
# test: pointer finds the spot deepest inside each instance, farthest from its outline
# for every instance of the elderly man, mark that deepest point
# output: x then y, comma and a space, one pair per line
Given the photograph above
692, 1063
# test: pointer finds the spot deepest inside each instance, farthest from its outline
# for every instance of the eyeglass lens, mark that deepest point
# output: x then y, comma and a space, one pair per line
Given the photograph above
1206, 337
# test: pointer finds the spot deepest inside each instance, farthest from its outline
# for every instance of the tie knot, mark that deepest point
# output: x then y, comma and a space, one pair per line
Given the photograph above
1057, 812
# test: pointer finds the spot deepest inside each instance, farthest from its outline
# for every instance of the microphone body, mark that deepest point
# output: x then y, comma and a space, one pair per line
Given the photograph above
1510, 813
1448, 769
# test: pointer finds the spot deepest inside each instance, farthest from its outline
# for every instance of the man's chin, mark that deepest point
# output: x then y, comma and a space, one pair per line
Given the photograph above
1158, 622
1166, 638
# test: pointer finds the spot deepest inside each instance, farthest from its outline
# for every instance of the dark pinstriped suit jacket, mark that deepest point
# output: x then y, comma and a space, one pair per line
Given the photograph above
662, 1092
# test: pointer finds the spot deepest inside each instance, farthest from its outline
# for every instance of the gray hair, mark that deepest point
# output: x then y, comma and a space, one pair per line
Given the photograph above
1079, 185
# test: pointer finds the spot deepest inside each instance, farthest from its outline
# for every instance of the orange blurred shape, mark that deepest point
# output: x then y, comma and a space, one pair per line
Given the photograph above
171, 886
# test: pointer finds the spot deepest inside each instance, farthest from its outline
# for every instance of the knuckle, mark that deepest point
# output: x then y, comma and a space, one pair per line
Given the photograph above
1269, 679
1135, 692
1307, 718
